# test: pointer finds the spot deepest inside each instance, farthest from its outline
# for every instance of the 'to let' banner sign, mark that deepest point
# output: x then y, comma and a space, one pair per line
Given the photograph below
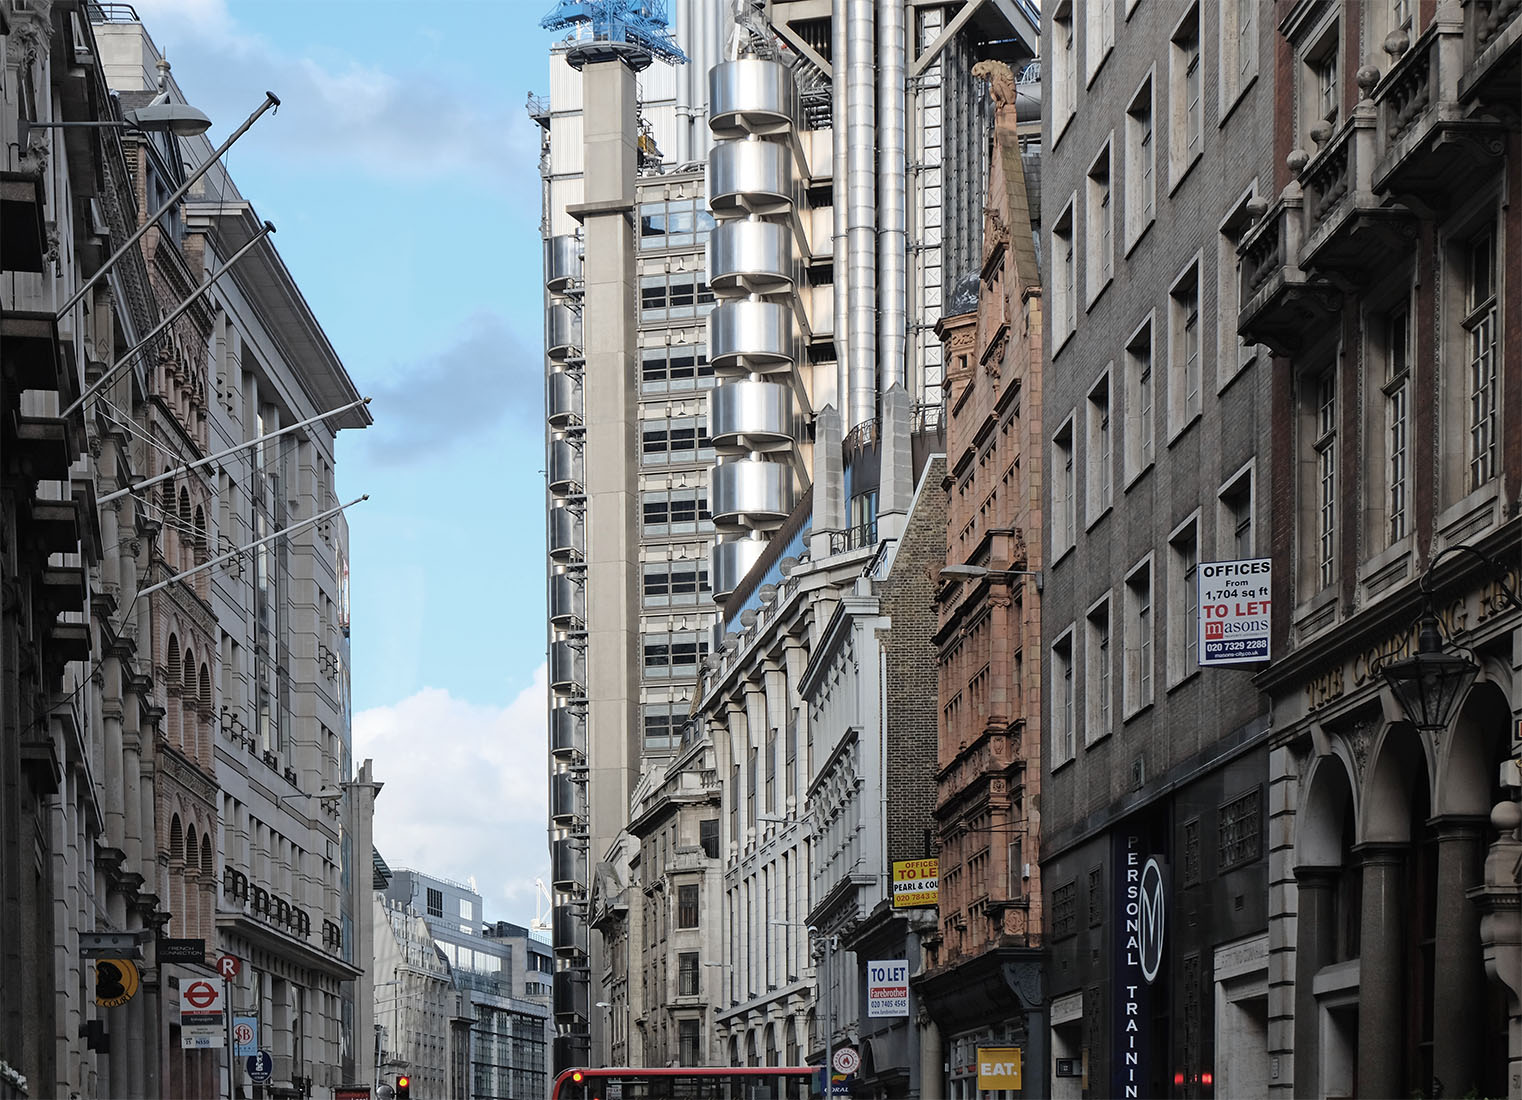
916, 883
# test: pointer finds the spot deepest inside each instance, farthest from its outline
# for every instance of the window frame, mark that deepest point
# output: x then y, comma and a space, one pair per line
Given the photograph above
1099, 668
1139, 688
1228, 519
1099, 447
1186, 100
1099, 223
1064, 488
1183, 627
1186, 343
1140, 167
1064, 675
1140, 442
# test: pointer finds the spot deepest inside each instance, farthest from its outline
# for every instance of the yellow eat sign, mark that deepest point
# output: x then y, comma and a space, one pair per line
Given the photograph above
998, 1068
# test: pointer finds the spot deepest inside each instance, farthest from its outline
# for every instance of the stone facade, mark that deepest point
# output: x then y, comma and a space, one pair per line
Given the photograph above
1393, 893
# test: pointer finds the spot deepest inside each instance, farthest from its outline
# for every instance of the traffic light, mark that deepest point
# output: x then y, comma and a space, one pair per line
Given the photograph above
404, 1088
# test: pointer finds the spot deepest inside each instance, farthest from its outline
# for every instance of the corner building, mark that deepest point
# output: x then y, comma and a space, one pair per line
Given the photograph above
1381, 272
1156, 430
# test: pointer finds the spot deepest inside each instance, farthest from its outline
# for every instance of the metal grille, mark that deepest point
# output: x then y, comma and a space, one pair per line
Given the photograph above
1096, 896
1065, 910
1192, 1024
1192, 852
1239, 830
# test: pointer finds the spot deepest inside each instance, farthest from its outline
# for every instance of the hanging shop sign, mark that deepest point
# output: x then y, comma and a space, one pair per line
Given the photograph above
998, 1068
1142, 919
916, 883
116, 982
1235, 602
888, 988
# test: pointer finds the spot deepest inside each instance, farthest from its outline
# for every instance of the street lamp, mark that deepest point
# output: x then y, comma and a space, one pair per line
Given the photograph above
968, 572
1430, 683
177, 119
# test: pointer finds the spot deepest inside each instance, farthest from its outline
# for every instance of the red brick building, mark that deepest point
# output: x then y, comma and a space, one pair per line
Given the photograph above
982, 977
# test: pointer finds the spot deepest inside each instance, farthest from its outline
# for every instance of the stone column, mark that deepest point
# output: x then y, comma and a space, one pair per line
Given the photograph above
1315, 946
1458, 996
932, 1077
1381, 1049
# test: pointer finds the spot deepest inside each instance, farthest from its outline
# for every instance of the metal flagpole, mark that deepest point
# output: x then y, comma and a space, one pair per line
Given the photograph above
166, 322
227, 1017
270, 100
319, 517
185, 469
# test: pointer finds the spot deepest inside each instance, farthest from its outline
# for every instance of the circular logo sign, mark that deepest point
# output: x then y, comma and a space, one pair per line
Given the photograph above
243, 1034
115, 981
1153, 915
847, 1060
200, 995
228, 966
260, 1067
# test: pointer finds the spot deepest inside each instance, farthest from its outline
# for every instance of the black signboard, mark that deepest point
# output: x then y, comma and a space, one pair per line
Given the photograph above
1141, 893
182, 951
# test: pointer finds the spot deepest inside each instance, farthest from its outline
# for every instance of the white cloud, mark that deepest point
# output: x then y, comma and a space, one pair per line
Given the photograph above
465, 791
339, 112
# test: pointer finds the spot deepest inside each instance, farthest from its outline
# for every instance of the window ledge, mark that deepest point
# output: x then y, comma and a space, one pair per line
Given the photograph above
1230, 104
1057, 767
1316, 614
1139, 474
1060, 340
1059, 554
1184, 679
1094, 520
1138, 712
1098, 739
1183, 429
1466, 519
1133, 241
1088, 307
1224, 381
1175, 182
1385, 570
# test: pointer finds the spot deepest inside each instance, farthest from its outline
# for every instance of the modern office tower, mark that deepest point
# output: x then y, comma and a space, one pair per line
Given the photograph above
502, 1035
625, 228
981, 984
1156, 421
1380, 267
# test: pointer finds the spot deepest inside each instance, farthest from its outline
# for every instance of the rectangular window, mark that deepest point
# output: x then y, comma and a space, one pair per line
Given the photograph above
1239, 47
680, 439
1480, 344
1184, 351
1232, 352
1140, 416
687, 906
674, 369
689, 1051
673, 654
1065, 69
1397, 394
1065, 910
1063, 717
1100, 237
1138, 639
753, 759
1065, 278
1100, 465
1239, 831
1141, 164
1100, 33
1187, 116
1234, 521
687, 973
1097, 692
1183, 601
1064, 490
435, 902
662, 726
708, 837
1325, 448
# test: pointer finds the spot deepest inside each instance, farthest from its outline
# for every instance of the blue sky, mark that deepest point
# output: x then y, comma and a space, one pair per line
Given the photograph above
401, 172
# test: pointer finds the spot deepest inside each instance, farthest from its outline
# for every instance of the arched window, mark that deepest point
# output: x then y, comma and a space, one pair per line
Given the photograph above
205, 688
166, 500
186, 519
173, 665
206, 852
176, 839
192, 851
189, 668
200, 526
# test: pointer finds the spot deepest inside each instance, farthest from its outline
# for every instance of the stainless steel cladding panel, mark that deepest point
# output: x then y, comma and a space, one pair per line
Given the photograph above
567, 668
567, 799
568, 863
750, 96
750, 257
728, 562
564, 399
568, 732
565, 533
562, 331
751, 416
751, 489
565, 466
570, 934
570, 984
753, 177
749, 335
567, 600
562, 263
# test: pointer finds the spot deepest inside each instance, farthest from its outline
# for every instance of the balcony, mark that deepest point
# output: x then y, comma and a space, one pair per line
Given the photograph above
570, 932
562, 264
748, 336
566, 535
1279, 304
568, 863
563, 400
752, 416
728, 562
570, 988
750, 492
1349, 230
746, 257
567, 601
562, 331
1493, 45
565, 466
750, 177
750, 96
568, 672
1429, 147
568, 733
566, 801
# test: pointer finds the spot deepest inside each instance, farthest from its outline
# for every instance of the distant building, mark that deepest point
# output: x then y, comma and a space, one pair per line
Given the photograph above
504, 1052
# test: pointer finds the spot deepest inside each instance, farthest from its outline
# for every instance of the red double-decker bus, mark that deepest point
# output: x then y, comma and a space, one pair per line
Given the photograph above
686, 1083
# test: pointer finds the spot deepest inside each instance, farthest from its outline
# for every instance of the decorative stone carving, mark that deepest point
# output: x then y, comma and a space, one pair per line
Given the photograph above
1001, 81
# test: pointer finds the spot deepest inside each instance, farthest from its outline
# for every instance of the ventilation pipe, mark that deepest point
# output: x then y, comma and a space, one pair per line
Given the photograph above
892, 165
861, 213
839, 95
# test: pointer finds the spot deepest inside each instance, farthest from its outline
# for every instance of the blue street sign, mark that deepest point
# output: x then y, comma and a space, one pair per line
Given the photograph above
260, 1067
245, 1036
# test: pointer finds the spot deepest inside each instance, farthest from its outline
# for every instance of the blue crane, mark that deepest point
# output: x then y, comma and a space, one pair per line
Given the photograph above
637, 24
